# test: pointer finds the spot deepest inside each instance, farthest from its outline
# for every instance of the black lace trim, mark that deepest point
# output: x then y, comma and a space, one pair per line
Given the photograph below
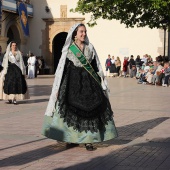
81, 101
14, 82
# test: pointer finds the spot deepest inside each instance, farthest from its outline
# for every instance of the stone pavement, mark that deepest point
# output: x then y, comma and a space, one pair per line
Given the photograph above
141, 114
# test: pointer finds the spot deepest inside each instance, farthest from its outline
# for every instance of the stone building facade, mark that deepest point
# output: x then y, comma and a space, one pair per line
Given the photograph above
50, 20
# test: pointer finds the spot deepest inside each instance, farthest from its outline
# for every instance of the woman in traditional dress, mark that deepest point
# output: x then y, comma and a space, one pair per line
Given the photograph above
113, 66
79, 110
125, 66
118, 65
12, 83
31, 66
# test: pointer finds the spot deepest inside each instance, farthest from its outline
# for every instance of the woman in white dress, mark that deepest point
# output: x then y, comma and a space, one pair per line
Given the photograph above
31, 66
12, 81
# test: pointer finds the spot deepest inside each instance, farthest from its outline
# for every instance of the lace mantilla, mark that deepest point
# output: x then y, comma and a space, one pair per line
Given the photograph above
87, 53
81, 101
59, 71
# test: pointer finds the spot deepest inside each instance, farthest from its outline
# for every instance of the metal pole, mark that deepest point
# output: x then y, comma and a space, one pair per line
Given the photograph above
0, 16
168, 44
164, 40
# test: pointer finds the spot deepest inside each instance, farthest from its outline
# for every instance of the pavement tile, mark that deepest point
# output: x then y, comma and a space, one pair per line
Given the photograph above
141, 115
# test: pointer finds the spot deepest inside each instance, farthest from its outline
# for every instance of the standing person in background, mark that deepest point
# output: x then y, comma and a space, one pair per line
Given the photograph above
39, 65
138, 64
25, 58
167, 74
132, 67
113, 66
1, 68
118, 65
108, 65
13, 86
31, 66
128, 70
36, 66
149, 59
125, 66
43, 64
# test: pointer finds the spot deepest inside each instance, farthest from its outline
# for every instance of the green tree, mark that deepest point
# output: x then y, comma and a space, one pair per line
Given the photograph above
140, 13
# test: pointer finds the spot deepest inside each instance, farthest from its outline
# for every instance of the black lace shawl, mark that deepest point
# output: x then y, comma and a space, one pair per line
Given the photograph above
81, 101
14, 82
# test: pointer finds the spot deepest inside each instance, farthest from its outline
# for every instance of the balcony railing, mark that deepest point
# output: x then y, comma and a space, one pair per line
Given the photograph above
11, 6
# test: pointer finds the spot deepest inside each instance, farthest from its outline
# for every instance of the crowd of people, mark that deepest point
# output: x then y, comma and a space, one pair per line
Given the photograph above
112, 66
145, 70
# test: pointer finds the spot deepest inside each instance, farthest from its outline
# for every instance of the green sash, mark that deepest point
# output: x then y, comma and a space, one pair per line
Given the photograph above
80, 56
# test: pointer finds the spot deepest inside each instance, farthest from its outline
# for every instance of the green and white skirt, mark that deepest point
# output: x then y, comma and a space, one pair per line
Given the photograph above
83, 113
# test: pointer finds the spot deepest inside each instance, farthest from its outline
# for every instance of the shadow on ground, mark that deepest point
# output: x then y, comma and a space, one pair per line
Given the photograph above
40, 90
46, 77
126, 134
23, 144
130, 132
142, 157
33, 101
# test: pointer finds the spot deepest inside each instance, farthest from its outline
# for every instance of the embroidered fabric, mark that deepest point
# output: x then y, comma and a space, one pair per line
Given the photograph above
81, 101
13, 59
76, 62
14, 82
19, 60
59, 71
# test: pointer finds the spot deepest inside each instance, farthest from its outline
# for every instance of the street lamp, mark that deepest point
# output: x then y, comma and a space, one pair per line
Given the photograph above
164, 39
164, 23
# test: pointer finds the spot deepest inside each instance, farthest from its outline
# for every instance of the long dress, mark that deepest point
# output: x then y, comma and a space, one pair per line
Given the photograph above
31, 66
113, 67
13, 84
125, 65
82, 113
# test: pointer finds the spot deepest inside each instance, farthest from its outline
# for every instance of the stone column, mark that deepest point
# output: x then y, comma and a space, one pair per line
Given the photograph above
3, 43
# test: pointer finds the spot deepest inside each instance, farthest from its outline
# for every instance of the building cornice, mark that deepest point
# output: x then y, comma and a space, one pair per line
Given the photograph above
63, 19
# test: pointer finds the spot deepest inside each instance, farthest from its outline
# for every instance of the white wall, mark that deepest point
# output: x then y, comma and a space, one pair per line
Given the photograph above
108, 37
36, 25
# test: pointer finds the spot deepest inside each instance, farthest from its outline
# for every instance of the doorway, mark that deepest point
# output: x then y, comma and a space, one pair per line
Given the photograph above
13, 35
58, 43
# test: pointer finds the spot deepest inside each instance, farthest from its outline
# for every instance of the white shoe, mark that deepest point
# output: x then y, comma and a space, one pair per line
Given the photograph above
15, 102
164, 85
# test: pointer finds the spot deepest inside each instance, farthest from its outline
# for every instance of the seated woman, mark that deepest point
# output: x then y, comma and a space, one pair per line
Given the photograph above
149, 75
166, 74
142, 78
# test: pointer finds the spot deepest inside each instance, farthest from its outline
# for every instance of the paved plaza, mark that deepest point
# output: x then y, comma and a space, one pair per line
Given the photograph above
141, 114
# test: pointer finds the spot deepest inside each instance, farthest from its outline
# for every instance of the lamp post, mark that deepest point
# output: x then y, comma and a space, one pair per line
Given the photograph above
164, 39
164, 24
168, 45
0, 15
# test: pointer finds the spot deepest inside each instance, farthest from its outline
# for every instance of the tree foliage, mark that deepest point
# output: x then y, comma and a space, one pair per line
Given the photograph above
152, 13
